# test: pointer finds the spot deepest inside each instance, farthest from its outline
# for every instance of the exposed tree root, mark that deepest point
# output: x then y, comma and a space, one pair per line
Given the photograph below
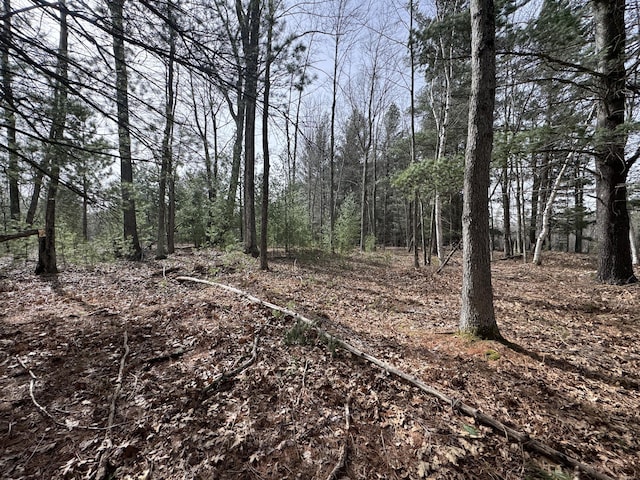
527, 442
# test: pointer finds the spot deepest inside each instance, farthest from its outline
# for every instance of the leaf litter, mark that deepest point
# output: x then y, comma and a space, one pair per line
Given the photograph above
569, 378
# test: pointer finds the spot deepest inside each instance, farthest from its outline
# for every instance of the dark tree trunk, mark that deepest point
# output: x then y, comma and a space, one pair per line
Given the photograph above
162, 238
506, 210
171, 208
250, 39
612, 218
535, 192
477, 315
265, 142
10, 115
47, 262
130, 227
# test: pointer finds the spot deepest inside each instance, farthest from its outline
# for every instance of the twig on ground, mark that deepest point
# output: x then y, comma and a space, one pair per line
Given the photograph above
167, 356
44, 411
529, 443
221, 377
101, 472
32, 385
342, 458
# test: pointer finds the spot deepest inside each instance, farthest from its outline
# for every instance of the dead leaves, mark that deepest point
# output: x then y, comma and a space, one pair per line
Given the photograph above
284, 416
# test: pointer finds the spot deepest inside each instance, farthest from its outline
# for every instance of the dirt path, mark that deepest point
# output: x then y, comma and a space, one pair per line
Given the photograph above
571, 380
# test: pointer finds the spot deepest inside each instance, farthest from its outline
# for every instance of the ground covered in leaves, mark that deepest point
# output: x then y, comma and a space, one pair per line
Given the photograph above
122, 371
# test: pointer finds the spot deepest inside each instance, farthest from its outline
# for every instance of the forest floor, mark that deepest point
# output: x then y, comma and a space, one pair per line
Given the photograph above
114, 370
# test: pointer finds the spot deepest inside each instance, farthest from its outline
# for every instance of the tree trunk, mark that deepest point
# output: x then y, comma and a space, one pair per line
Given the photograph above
612, 218
546, 215
633, 241
264, 265
165, 162
477, 316
506, 210
130, 226
10, 115
412, 92
171, 207
250, 38
55, 150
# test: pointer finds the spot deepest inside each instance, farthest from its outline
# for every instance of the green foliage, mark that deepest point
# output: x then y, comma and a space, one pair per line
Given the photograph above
194, 217
347, 227
492, 354
370, 243
300, 334
289, 220
72, 249
430, 175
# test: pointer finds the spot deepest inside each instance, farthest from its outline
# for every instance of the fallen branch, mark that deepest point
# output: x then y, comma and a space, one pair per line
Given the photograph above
15, 236
106, 443
222, 377
43, 411
446, 260
342, 458
163, 358
527, 442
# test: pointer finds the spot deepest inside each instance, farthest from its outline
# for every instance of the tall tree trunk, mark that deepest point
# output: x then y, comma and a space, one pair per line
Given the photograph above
55, 150
412, 93
130, 227
579, 208
477, 316
250, 40
165, 162
332, 138
535, 192
612, 218
506, 209
10, 114
85, 207
171, 206
35, 195
546, 214
264, 224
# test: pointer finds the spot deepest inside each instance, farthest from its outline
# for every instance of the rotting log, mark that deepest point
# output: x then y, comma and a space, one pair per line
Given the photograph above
529, 443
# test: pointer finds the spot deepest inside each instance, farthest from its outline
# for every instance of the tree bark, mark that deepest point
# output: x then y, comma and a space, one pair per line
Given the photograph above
414, 216
612, 218
130, 227
10, 114
162, 240
264, 224
546, 215
250, 26
477, 316
55, 151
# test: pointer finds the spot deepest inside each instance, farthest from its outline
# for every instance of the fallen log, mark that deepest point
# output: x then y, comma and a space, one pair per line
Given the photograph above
15, 236
529, 443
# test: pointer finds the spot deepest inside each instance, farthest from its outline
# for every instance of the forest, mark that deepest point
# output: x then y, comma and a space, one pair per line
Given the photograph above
327, 239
